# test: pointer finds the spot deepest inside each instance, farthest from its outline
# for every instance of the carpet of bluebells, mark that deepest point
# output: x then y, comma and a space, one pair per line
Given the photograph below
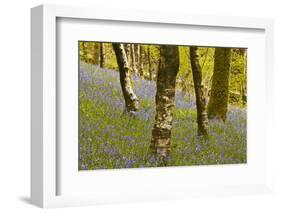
110, 139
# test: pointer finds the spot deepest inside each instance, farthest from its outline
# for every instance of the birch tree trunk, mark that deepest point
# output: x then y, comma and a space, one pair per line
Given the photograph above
137, 56
128, 53
133, 58
165, 102
218, 103
131, 100
202, 118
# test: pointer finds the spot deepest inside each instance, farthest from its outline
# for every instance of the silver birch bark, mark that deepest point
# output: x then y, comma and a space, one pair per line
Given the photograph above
131, 100
165, 102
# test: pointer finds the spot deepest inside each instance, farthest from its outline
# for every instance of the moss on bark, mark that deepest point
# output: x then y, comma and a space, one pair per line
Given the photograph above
218, 103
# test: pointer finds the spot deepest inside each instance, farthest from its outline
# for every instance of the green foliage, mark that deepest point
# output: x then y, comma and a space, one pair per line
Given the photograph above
110, 59
152, 56
238, 74
184, 60
146, 104
89, 52
207, 63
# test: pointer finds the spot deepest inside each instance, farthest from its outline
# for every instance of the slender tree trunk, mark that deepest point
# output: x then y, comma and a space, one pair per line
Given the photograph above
202, 118
133, 58
149, 63
157, 61
101, 55
82, 51
243, 83
218, 103
165, 101
96, 53
131, 100
141, 58
128, 53
137, 56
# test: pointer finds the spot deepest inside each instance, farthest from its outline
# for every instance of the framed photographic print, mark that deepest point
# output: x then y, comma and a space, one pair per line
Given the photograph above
136, 106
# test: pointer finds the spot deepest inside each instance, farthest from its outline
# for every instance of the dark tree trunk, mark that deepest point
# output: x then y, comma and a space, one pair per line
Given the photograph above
101, 55
202, 118
96, 53
141, 59
149, 63
131, 100
165, 101
218, 103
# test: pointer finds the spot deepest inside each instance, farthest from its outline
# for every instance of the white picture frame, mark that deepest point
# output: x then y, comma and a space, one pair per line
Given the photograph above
44, 154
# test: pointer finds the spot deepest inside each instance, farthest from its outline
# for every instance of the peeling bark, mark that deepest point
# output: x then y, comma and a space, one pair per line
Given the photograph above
131, 100
218, 103
165, 101
202, 118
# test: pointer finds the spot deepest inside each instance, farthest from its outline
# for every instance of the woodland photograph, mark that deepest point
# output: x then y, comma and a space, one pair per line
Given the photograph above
151, 105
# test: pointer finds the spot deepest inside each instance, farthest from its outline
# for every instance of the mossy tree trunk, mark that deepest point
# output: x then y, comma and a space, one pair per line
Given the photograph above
131, 100
202, 118
243, 83
218, 103
165, 102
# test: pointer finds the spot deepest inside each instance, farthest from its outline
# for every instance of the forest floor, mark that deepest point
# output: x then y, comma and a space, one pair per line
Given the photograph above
109, 139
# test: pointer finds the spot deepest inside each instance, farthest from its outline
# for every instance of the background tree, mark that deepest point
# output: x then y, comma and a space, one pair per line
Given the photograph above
137, 56
95, 52
141, 60
218, 103
238, 76
128, 53
131, 100
149, 63
133, 58
165, 101
101, 55
243, 80
202, 118
89, 52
